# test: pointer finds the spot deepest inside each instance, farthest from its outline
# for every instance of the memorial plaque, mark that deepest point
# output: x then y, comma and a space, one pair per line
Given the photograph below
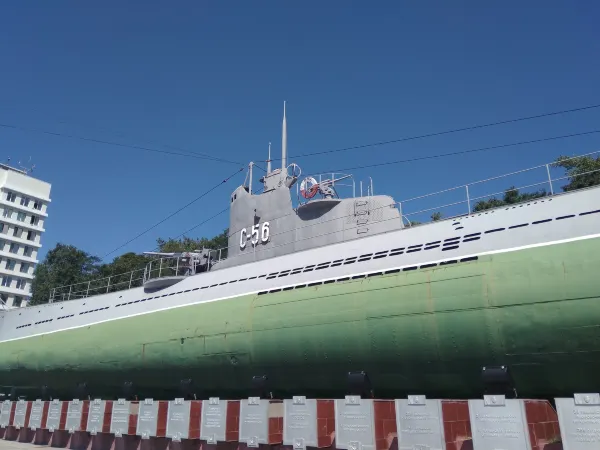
54, 412
74, 411
300, 422
354, 423
178, 419
498, 424
95, 420
5, 413
35, 418
420, 423
147, 418
579, 419
20, 414
254, 421
214, 420
119, 422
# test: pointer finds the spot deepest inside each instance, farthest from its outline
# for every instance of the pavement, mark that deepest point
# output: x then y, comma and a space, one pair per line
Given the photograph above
12, 445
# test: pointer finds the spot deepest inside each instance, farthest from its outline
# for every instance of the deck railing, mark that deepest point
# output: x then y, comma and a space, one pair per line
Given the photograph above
169, 267
462, 201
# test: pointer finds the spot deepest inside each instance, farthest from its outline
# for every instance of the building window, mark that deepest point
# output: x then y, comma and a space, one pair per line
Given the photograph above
10, 264
21, 217
34, 220
25, 201
37, 205
14, 248
11, 196
1, 227
30, 235
24, 267
26, 251
18, 301
2, 245
6, 281
21, 283
17, 232
7, 213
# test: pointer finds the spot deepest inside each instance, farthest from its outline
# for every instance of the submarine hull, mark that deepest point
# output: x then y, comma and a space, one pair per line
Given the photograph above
427, 331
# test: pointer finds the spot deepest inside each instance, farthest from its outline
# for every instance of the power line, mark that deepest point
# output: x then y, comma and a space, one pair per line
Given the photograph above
118, 144
440, 133
462, 152
176, 212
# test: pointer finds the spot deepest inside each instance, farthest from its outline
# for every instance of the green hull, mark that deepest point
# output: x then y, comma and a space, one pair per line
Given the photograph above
429, 331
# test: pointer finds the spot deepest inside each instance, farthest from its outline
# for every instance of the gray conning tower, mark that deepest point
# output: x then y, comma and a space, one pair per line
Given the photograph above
266, 224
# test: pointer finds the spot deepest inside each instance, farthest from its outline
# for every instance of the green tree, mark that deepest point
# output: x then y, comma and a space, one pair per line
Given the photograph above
510, 197
436, 216
187, 244
120, 269
583, 171
63, 265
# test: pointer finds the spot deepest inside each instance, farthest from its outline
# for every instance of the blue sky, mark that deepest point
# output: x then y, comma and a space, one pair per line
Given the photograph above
211, 77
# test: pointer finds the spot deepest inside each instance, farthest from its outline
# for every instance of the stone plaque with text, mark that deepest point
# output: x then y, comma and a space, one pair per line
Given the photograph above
35, 418
20, 414
354, 423
420, 423
147, 417
254, 421
579, 419
95, 420
214, 420
119, 421
178, 419
300, 422
5, 413
74, 411
54, 412
499, 424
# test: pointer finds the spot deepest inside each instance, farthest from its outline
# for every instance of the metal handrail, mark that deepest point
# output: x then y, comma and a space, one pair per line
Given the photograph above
217, 255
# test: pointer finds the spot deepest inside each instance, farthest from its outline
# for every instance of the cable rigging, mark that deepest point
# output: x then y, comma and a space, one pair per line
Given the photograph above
441, 133
176, 212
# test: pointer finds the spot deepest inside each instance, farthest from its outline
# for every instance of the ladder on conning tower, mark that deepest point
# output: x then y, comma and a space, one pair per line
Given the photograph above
362, 215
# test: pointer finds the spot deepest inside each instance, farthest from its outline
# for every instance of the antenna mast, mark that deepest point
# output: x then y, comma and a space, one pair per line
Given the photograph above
284, 141
269, 160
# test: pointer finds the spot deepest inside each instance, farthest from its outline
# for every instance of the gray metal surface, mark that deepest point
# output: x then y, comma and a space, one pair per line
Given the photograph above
119, 421
24, 322
37, 411
499, 424
95, 420
254, 421
300, 422
213, 425
147, 418
20, 414
420, 423
54, 412
5, 413
178, 419
579, 419
354, 423
74, 411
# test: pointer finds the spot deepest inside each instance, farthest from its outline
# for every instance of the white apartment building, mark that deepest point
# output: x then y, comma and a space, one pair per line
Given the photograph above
23, 211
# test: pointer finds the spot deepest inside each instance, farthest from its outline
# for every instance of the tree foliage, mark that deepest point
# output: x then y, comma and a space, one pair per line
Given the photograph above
64, 264
583, 171
187, 244
510, 197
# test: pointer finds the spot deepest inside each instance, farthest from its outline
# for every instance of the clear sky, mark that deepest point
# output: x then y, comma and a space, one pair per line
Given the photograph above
211, 77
